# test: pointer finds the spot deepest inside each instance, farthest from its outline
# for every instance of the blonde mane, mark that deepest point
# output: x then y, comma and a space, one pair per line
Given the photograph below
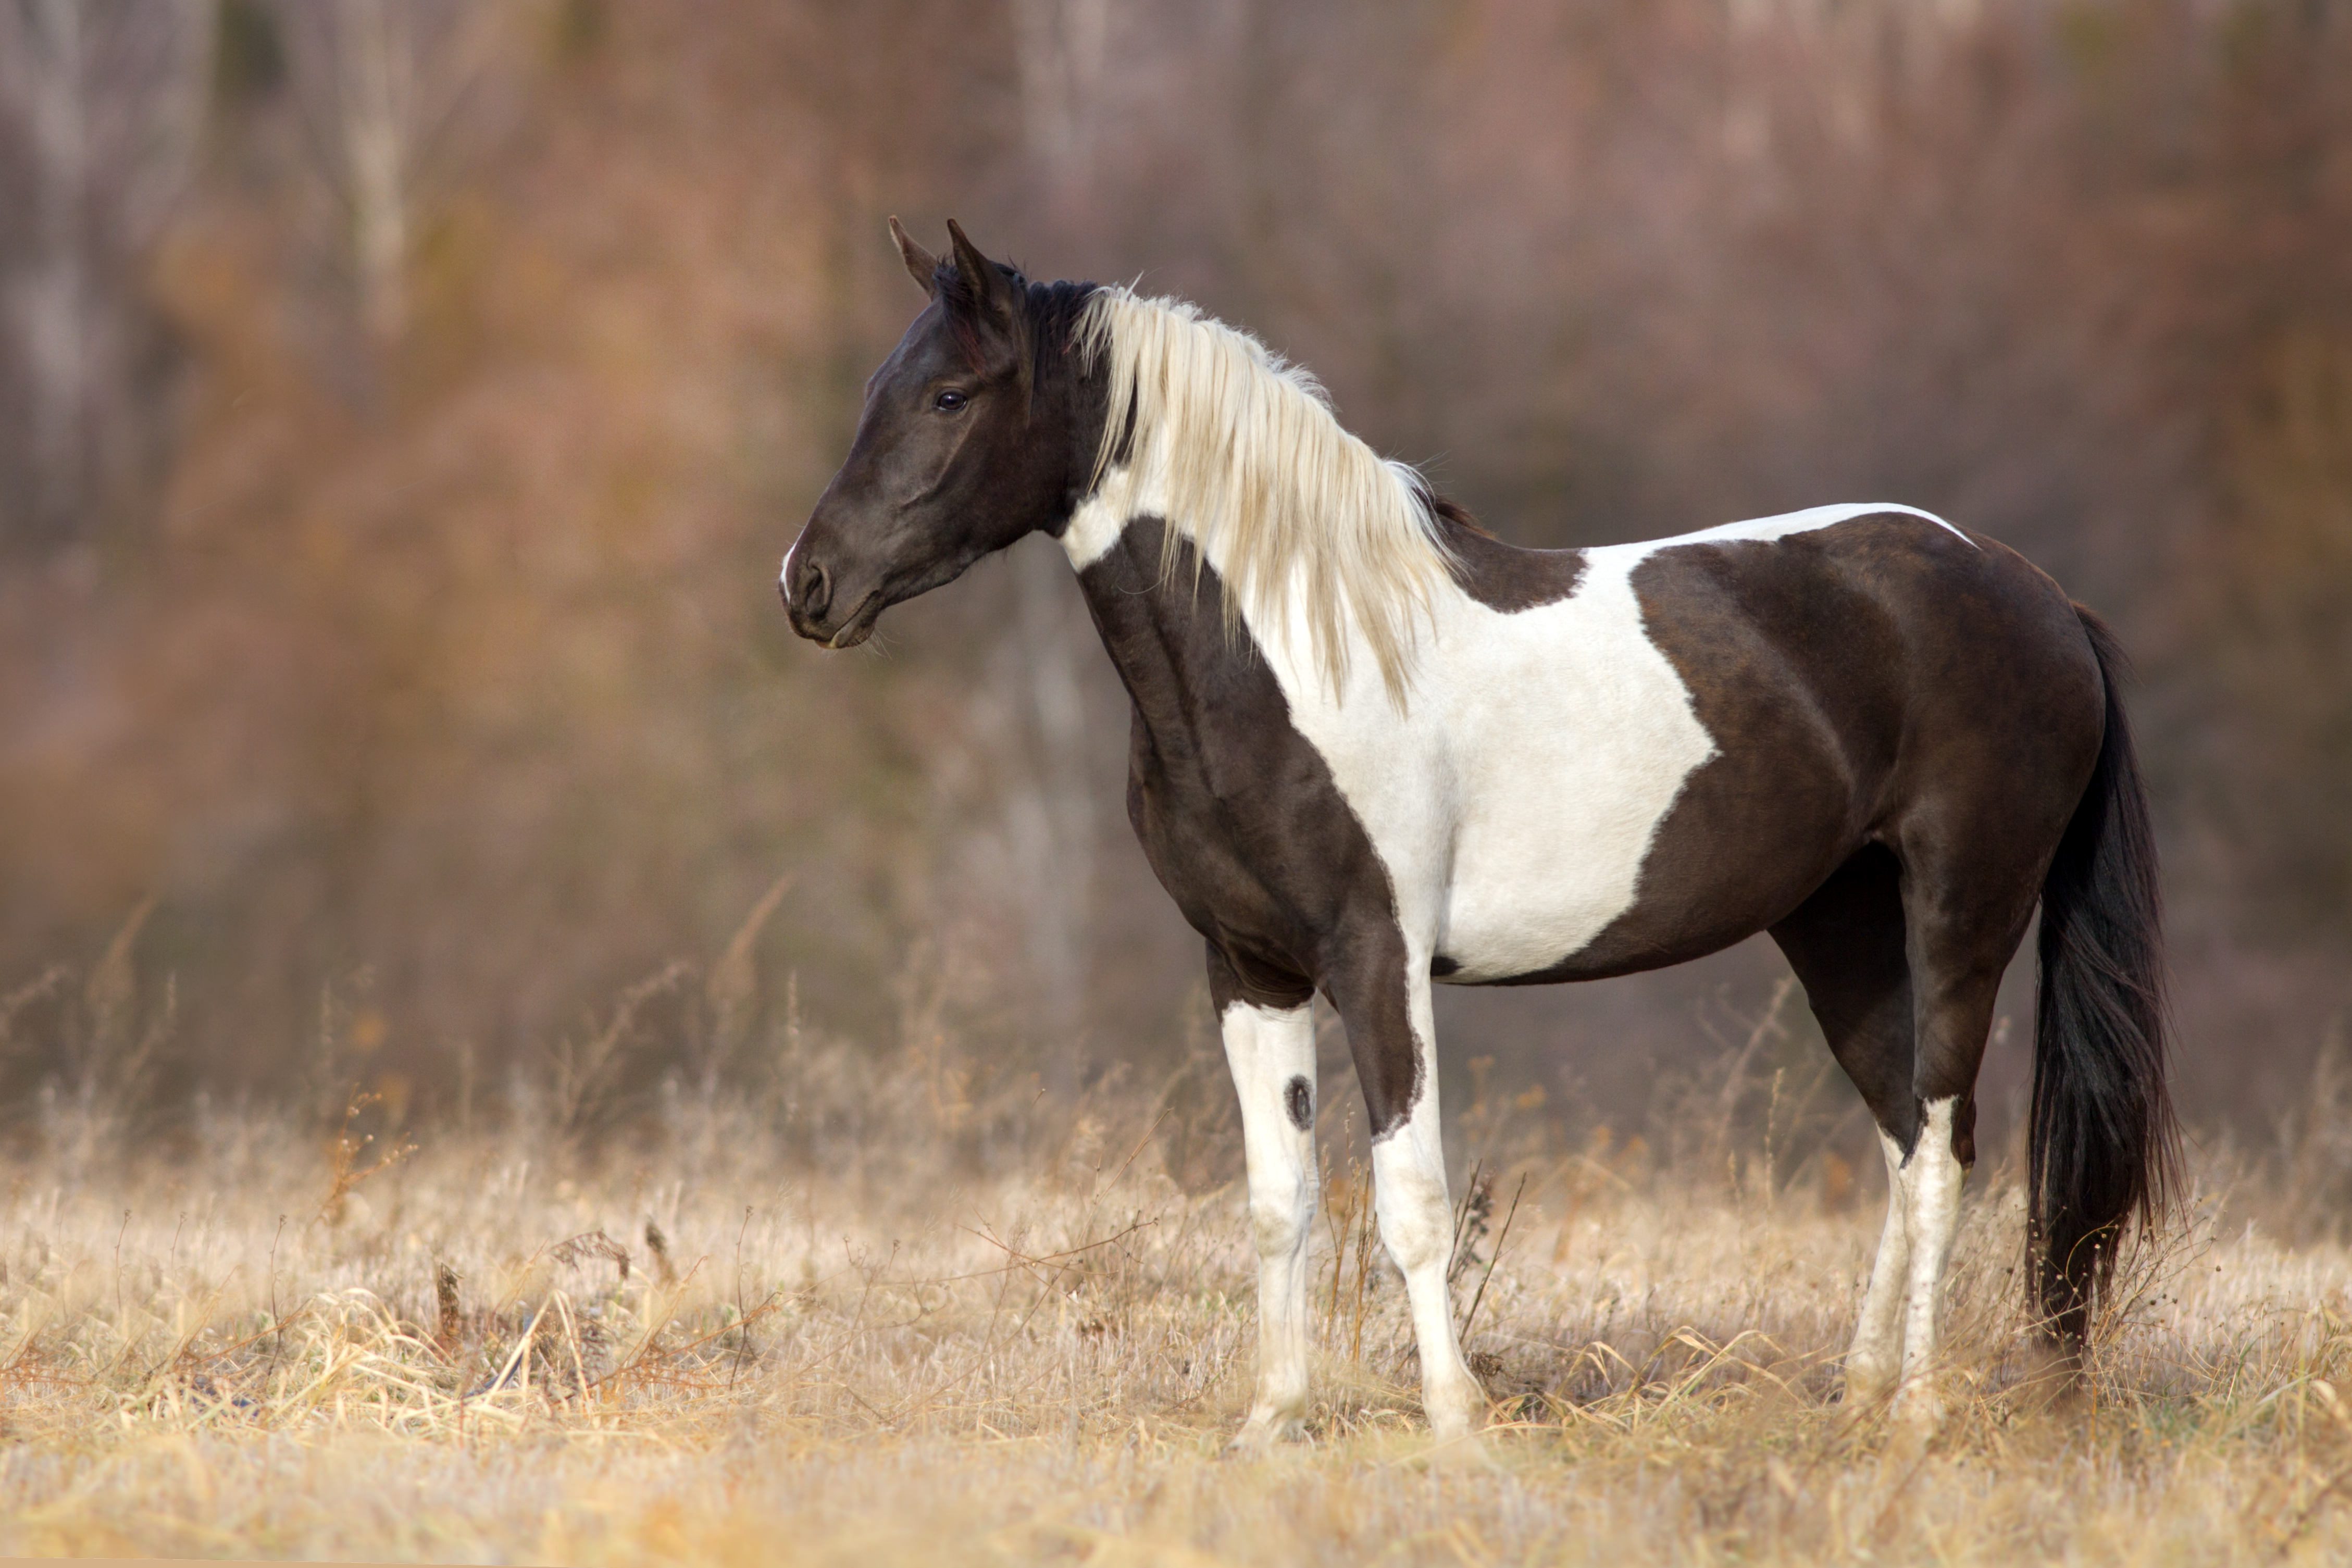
1240, 452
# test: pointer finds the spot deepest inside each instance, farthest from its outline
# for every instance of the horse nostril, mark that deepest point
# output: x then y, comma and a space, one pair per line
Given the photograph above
817, 588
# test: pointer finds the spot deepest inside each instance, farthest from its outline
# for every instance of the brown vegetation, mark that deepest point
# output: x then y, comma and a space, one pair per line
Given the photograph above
872, 1316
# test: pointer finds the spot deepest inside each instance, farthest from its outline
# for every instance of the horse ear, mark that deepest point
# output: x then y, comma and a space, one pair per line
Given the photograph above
920, 263
983, 285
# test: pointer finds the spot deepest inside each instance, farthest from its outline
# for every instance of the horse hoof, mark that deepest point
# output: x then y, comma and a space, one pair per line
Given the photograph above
1864, 1397
1260, 1436
1463, 1451
2052, 1382
1456, 1412
1919, 1411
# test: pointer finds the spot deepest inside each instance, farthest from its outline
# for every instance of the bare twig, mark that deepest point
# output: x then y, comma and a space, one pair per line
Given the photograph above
1472, 1315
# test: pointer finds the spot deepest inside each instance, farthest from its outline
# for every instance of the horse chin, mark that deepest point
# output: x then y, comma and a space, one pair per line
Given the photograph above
860, 625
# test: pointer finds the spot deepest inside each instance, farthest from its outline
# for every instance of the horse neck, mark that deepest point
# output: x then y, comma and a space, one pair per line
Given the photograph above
1165, 629
1166, 634
1068, 396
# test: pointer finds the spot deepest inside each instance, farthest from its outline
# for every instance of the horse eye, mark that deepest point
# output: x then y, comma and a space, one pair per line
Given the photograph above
951, 400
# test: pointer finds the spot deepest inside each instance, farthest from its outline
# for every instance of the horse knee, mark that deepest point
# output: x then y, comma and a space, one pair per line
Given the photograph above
1280, 1226
1417, 1228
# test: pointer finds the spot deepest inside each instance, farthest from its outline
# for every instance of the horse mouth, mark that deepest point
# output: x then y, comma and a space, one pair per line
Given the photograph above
860, 623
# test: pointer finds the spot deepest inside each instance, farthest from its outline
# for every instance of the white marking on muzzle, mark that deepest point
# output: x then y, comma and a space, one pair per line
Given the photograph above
784, 571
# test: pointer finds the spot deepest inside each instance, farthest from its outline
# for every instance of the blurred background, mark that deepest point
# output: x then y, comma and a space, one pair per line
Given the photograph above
405, 405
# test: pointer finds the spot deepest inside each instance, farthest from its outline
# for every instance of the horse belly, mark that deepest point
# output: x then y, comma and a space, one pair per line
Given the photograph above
1560, 807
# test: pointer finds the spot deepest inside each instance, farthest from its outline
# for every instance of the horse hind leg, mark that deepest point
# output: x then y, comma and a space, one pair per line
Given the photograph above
1965, 911
1846, 945
1875, 1359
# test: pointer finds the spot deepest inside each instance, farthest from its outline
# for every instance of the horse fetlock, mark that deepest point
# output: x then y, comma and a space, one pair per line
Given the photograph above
1456, 1406
1919, 1406
1274, 1419
1868, 1381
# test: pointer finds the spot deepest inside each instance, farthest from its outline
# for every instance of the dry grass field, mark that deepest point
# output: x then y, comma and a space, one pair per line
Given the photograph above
929, 1336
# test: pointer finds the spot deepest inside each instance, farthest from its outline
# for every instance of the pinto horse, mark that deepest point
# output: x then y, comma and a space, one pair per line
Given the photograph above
1375, 749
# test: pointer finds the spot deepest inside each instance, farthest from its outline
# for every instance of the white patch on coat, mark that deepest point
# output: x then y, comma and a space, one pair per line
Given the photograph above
1097, 522
1267, 1050
1765, 530
1515, 801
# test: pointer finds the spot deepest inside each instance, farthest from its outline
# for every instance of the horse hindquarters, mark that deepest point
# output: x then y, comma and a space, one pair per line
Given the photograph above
1902, 951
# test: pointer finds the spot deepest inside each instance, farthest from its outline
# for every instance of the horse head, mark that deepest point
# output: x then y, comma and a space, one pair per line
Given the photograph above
960, 451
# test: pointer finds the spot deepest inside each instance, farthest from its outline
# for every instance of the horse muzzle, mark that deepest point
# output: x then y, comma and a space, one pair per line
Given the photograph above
808, 592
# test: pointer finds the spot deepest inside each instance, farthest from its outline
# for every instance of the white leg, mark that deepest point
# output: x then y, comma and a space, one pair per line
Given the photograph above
1933, 1191
1271, 1055
1872, 1364
1417, 1226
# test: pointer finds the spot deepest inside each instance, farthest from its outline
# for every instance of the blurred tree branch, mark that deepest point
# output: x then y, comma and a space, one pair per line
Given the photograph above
100, 103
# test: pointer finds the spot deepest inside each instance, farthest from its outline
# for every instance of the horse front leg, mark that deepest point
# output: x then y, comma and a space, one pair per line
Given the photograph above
1417, 1226
1391, 1032
1271, 1050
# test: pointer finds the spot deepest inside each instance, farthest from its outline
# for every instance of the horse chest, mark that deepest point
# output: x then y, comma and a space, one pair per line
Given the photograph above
1245, 829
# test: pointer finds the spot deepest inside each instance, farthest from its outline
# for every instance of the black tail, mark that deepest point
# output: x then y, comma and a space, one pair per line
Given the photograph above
2104, 1144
